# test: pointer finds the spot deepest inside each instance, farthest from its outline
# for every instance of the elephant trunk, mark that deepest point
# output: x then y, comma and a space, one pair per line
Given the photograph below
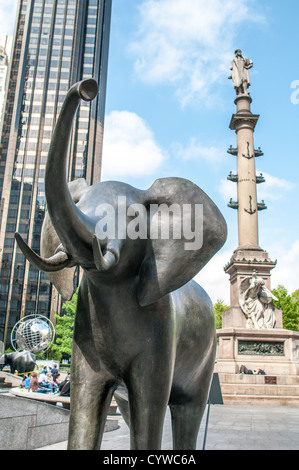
74, 228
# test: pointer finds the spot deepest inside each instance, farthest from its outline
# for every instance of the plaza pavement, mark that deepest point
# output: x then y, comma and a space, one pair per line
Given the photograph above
230, 427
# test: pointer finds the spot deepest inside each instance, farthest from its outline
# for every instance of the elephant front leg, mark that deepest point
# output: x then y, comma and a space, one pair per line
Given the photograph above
148, 393
91, 394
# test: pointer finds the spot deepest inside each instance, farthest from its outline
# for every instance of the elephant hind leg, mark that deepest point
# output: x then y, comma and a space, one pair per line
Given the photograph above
188, 400
186, 419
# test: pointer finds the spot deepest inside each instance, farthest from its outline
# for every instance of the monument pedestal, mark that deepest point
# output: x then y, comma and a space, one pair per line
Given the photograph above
275, 351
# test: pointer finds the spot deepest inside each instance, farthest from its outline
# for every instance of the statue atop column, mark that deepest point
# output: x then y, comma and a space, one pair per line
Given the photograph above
240, 74
256, 303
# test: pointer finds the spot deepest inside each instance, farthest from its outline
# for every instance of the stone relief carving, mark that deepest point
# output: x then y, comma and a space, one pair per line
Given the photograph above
256, 303
261, 348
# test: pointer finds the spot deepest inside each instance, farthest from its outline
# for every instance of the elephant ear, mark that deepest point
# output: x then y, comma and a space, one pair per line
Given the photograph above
197, 230
62, 280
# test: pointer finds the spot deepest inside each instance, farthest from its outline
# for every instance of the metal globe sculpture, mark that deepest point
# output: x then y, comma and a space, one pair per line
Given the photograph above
33, 333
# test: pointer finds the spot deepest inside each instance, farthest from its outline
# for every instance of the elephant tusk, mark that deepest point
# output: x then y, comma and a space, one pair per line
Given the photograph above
57, 262
74, 228
109, 260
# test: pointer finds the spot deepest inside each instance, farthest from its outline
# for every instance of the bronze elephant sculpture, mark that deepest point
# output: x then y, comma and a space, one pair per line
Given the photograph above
139, 321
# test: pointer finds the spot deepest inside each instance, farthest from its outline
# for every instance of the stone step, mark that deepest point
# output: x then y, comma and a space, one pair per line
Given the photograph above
9, 378
55, 399
272, 400
5, 385
258, 379
260, 389
251, 389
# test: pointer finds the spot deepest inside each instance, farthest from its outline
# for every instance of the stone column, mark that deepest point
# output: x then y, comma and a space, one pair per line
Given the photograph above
244, 122
248, 257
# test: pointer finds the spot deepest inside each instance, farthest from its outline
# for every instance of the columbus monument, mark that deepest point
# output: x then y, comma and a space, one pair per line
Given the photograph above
252, 333
250, 266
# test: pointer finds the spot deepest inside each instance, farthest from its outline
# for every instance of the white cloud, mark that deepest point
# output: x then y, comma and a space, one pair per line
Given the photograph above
228, 190
129, 147
213, 278
195, 150
8, 10
274, 187
189, 46
287, 270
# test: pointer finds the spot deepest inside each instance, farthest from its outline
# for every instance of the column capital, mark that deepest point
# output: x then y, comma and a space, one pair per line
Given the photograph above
243, 120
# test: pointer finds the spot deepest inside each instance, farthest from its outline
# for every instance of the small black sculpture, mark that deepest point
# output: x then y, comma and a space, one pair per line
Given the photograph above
23, 361
139, 320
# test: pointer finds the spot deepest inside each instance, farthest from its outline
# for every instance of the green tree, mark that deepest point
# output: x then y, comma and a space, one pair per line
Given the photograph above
65, 327
219, 308
289, 304
295, 295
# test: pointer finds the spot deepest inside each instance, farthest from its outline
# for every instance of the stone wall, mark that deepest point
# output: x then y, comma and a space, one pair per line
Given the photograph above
28, 424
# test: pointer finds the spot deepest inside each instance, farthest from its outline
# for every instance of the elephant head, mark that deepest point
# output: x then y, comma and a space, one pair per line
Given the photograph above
97, 227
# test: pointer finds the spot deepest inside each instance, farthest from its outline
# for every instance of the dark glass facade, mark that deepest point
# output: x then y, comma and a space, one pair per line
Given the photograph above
56, 43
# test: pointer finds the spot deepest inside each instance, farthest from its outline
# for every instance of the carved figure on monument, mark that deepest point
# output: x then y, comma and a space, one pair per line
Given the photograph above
239, 73
256, 303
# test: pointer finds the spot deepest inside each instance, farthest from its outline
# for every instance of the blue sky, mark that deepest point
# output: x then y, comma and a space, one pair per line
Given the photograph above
169, 105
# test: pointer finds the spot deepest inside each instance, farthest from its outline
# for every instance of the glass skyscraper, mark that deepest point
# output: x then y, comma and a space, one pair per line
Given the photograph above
56, 43
5, 47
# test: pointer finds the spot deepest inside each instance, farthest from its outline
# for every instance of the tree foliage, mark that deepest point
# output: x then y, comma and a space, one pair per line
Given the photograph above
65, 327
289, 304
219, 308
